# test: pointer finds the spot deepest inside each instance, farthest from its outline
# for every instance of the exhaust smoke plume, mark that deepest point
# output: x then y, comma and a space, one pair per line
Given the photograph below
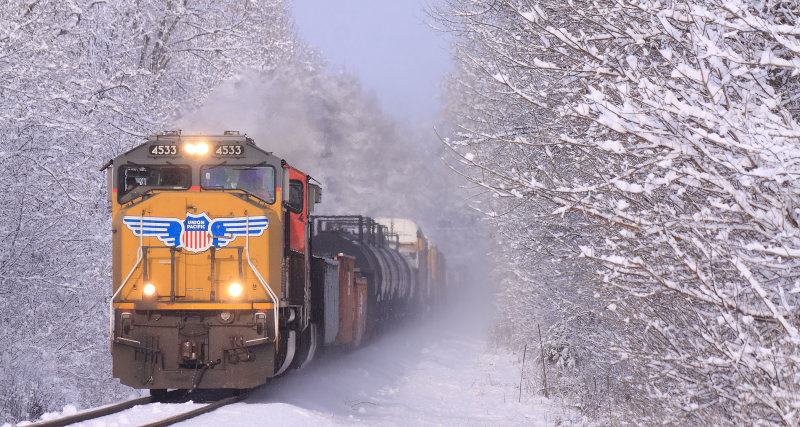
367, 162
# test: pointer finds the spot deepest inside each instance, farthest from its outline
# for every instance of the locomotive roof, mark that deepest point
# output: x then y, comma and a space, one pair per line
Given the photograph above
174, 136
166, 147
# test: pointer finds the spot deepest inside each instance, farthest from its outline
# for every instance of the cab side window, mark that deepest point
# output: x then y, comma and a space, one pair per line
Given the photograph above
295, 196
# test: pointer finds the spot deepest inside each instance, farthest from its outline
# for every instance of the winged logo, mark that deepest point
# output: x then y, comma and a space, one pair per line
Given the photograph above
197, 232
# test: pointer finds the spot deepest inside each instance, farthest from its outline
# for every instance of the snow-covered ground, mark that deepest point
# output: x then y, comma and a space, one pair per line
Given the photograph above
420, 374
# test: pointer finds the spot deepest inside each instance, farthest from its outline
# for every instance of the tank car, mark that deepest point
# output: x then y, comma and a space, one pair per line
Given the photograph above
426, 261
391, 283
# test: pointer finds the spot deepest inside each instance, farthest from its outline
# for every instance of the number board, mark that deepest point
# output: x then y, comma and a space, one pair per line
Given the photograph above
229, 150
164, 150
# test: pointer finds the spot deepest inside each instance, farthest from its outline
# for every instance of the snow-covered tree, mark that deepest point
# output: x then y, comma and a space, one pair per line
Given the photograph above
654, 145
81, 82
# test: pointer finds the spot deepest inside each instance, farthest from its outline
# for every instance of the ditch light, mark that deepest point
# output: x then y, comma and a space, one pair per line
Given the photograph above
234, 290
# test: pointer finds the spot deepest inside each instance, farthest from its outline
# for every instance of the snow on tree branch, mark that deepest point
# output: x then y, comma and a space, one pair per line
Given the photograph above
667, 133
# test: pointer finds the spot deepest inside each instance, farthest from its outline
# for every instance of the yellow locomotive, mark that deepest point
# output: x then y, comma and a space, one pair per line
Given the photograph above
202, 248
214, 281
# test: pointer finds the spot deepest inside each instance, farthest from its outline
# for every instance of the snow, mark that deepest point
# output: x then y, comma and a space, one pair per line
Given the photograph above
630, 187
441, 388
501, 78
416, 375
611, 145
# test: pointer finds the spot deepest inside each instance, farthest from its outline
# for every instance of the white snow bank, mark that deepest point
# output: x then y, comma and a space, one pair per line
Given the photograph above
416, 376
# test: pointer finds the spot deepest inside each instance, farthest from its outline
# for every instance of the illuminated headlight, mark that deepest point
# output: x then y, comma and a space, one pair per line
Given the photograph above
149, 289
199, 149
234, 289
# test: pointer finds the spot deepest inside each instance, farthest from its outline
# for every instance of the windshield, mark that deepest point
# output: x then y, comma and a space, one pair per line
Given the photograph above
137, 180
256, 180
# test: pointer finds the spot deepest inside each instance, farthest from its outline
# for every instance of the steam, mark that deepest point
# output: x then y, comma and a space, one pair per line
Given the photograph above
367, 162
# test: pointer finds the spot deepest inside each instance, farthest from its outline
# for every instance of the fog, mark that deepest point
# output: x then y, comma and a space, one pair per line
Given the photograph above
367, 162
372, 164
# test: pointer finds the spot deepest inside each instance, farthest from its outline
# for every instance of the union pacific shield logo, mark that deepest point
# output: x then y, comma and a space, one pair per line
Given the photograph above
195, 236
197, 232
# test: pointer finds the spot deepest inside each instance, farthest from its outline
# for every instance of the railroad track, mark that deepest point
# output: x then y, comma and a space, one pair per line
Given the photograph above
175, 395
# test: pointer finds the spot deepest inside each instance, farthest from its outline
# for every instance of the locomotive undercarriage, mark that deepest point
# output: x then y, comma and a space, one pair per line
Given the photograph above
159, 349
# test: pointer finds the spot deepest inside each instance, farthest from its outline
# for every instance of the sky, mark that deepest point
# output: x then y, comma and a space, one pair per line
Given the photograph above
388, 44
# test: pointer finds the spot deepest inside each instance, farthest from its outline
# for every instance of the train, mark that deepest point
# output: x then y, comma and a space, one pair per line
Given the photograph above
223, 277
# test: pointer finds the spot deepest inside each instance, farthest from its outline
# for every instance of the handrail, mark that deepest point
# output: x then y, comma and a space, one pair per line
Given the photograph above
139, 256
263, 282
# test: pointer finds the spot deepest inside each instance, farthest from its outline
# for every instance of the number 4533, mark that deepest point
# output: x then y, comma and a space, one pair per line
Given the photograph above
229, 150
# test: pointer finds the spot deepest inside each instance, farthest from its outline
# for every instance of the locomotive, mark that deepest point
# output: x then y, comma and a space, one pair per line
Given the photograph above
222, 278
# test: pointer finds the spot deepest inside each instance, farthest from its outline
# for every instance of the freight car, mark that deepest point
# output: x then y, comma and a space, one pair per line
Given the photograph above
219, 280
426, 261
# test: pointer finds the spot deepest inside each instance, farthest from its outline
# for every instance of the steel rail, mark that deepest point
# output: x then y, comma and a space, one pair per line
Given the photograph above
119, 407
101, 412
195, 412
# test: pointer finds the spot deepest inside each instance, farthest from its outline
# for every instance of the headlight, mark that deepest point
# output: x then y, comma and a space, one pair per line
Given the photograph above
234, 289
200, 148
149, 289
